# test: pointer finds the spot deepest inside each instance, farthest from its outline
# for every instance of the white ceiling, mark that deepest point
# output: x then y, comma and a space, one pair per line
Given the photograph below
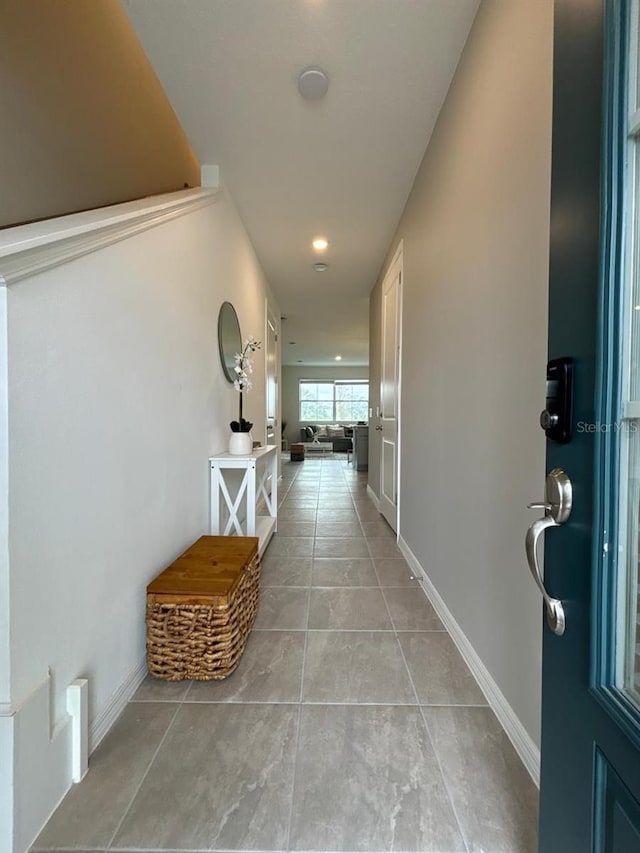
341, 167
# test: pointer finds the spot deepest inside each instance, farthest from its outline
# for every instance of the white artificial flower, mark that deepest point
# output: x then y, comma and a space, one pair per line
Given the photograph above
244, 365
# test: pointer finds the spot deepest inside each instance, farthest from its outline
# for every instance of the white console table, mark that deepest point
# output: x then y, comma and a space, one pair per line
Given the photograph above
255, 469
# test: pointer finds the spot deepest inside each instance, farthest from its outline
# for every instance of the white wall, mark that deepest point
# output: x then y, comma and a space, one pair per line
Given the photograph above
116, 401
291, 376
476, 248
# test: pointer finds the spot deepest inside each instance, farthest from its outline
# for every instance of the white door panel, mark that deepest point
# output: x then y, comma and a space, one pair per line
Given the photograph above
390, 391
272, 381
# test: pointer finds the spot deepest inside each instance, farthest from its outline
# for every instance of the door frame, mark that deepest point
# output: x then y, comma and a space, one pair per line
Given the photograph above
607, 443
270, 317
397, 258
589, 727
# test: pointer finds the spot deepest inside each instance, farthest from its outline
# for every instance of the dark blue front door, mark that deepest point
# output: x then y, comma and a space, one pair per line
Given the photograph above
590, 776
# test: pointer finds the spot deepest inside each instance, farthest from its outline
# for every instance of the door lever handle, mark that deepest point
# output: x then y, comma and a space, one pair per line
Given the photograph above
553, 607
557, 509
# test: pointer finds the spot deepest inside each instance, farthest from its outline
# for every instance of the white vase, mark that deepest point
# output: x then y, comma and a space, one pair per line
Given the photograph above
240, 443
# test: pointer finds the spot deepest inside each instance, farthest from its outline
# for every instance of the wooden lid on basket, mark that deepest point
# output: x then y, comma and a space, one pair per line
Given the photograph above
211, 566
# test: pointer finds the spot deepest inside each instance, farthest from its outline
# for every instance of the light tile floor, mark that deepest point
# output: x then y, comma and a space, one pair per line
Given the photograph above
351, 724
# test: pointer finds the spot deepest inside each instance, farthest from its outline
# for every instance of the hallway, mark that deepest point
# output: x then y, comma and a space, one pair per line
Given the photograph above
351, 723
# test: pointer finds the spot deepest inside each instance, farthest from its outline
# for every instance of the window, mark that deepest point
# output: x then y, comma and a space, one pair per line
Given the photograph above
628, 427
334, 402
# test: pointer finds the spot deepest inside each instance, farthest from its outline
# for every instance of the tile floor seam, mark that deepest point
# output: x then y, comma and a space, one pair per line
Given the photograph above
388, 586
184, 698
165, 850
287, 702
373, 630
360, 704
316, 559
304, 654
293, 777
426, 727
391, 619
300, 698
435, 751
300, 702
134, 701
344, 586
292, 702
411, 630
144, 776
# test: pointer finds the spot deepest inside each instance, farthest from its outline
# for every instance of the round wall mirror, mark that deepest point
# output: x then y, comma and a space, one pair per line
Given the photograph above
229, 339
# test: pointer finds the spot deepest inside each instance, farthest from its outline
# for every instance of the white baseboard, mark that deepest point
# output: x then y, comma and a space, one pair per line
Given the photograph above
7, 752
516, 732
373, 497
116, 705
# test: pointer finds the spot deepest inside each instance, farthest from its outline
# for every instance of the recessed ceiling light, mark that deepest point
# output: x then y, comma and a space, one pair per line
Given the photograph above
313, 83
338, 358
320, 244
320, 267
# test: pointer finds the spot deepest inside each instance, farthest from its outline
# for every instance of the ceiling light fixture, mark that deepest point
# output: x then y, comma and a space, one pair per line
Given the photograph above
320, 244
338, 358
313, 83
320, 267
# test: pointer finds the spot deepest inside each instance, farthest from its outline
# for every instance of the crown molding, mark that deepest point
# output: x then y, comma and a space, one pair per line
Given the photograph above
30, 249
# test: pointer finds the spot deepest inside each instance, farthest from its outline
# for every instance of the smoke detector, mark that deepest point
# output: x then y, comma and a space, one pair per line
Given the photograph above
313, 83
320, 267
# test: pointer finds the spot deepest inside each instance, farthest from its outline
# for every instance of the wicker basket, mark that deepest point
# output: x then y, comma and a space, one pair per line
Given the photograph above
201, 609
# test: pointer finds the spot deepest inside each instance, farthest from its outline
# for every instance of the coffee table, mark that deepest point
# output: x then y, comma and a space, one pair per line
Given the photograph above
318, 448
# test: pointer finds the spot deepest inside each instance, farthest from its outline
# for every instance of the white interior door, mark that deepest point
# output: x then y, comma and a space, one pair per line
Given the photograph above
390, 391
271, 352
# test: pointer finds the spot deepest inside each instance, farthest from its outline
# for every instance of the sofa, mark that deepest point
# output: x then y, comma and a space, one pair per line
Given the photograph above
338, 434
